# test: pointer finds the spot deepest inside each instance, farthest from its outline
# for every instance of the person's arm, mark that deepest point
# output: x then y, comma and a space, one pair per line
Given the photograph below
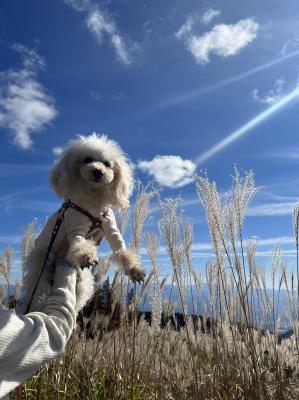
26, 341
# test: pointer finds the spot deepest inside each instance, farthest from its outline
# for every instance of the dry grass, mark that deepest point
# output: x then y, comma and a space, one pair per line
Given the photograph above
232, 361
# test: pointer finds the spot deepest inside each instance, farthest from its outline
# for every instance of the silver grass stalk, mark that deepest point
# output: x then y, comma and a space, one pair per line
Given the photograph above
122, 221
237, 203
2, 297
296, 231
211, 201
172, 231
187, 248
243, 191
4, 271
17, 290
156, 308
140, 213
5, 265
100, 269
152, 245
28, 239
225, 223
9, 255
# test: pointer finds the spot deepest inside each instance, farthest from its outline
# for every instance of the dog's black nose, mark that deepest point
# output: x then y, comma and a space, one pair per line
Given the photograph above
97, 174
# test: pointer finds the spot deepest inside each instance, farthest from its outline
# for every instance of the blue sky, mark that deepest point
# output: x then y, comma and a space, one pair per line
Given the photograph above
170, 81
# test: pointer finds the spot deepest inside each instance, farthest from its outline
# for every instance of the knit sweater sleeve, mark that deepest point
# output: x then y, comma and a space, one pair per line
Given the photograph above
27, 341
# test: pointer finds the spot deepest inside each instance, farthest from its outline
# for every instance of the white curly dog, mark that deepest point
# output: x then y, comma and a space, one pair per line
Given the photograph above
93, 175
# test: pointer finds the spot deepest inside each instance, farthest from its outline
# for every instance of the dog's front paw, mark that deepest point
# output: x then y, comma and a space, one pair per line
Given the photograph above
89, 262
129, 261
83, 254
136, 273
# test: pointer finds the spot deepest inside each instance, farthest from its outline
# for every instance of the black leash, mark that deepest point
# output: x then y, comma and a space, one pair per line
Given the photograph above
96, 223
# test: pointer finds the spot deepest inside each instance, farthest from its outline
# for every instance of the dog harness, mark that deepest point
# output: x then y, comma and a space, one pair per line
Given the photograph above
96, 223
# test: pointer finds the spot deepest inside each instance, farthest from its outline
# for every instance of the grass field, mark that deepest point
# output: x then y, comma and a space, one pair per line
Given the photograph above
142, 361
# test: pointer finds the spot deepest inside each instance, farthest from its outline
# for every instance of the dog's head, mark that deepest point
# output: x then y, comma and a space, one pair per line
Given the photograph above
96, 165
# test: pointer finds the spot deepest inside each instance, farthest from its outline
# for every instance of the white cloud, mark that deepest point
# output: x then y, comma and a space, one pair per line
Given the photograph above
40, 206
186, 29
13, 169
16, 200
284, 205
96, 95
25, 106
265, 253
120, 48
223, 40
205, 249
289, 154
100, 24
273, 95
118, 97
78, 5
209, 15
202, 246
272, 209
274, 241
57, 150
32, 61
271, 243
170, 171
291, 43
10, 240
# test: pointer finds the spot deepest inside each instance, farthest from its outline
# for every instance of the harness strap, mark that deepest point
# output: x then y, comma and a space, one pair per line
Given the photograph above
95, 223
58, 222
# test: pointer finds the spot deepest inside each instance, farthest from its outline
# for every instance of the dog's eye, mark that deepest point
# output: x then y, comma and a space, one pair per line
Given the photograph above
88, 160
107, 164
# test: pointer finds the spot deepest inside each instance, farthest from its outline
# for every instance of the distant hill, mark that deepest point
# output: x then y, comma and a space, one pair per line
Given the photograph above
199, 304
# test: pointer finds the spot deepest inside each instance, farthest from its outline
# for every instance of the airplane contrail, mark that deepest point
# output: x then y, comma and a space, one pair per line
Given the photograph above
232, 137
195, 93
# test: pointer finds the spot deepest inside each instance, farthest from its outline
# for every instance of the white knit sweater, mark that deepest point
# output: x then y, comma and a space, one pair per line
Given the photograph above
27, 341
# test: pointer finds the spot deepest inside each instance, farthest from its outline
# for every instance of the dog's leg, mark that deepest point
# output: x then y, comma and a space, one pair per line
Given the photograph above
129, 262
126, 259
82, 253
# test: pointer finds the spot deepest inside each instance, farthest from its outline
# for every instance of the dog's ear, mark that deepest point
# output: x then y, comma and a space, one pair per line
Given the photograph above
59, 177
123, 183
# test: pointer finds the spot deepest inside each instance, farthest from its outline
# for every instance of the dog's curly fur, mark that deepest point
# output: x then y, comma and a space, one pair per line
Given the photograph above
94, 173
66, 180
